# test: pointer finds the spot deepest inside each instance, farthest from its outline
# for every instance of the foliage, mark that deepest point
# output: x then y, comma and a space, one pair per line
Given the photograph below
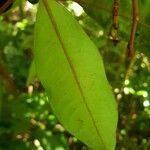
26, 120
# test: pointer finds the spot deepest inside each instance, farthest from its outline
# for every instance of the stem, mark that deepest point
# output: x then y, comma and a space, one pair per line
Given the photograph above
115, 14
114, 31
135, 19
5, 6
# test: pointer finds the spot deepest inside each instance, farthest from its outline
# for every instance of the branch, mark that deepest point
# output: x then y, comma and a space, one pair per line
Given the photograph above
5, 6
135, 20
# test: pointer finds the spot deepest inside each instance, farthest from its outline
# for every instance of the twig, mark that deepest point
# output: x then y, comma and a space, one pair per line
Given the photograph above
114, 30
135, 19
5, 6
115, 14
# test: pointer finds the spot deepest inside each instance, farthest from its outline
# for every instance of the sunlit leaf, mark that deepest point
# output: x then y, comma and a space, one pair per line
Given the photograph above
71, 70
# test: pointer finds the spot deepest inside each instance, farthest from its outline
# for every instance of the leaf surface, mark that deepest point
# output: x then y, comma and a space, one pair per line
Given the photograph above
72, 73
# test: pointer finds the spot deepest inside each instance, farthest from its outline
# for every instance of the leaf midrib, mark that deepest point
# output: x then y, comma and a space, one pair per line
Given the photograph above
54, 24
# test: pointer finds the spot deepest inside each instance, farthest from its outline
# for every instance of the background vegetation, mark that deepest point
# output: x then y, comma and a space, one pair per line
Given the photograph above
26, 119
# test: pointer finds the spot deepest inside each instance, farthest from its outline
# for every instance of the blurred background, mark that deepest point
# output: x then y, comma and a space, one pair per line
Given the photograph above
26, 119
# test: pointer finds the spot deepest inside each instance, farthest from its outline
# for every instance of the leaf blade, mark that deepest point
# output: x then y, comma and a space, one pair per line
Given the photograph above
80, 79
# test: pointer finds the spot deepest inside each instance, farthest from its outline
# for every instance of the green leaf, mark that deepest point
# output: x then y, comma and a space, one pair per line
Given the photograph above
32, 73
71, 70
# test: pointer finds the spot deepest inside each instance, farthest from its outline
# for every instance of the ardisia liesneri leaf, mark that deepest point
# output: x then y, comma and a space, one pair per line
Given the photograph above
72, 73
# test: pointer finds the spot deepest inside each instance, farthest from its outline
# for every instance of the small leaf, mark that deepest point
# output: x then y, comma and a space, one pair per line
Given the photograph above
71, 71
